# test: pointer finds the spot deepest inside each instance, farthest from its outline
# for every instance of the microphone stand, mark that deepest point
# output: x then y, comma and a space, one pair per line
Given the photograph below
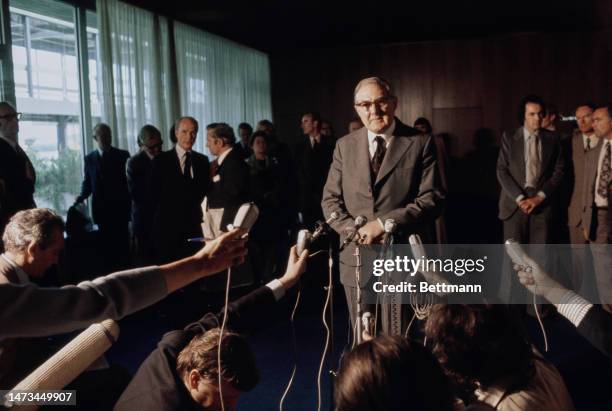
330, 264
359, 325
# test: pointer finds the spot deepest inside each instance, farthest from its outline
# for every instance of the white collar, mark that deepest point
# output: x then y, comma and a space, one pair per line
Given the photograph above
312, 140
21, 275
180, 151
223, 155
387, 134
527, 134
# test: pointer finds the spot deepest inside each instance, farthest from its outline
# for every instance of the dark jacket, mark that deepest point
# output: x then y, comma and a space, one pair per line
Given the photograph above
177, 201
230, 187
157, 386
139, 179
106, 182
16, 189
266, 189
312, 166
511, 170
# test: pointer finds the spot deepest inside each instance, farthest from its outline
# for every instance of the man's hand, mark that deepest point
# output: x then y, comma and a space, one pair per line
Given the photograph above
221, 253
529, 204
217, 255
538, 281
295, 268
371, 232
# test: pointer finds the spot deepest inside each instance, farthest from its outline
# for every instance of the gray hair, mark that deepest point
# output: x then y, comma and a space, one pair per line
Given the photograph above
27, 226
381, 82
177, 123
224, 132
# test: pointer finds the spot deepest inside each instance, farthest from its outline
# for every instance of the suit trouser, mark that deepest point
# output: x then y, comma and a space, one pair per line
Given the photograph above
602, 258
579, 247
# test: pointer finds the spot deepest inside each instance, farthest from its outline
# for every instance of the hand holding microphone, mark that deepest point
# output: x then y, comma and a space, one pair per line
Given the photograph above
305, 238
352, 231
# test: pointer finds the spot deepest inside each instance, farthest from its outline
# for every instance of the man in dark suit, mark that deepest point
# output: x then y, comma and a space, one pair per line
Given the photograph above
229, 180
105, 181
530, 169
385, 170
242, 145
313, 156
181, 178
17, 175
139, 168
182, 373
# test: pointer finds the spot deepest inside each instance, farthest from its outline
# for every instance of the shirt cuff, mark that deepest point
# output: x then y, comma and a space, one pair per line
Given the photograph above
573, 307
519, 198
277, 288
542, 194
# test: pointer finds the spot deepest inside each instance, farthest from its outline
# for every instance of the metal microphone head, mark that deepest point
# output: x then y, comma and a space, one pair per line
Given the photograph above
390, 225
360, 221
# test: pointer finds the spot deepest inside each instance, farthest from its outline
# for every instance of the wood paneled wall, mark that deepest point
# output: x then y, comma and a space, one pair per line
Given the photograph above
461, 84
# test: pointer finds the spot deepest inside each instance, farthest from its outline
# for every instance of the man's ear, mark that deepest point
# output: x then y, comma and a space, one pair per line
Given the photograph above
200, 390
32, 250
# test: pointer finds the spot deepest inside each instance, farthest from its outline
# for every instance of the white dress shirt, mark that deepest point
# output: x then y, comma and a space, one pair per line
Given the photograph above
526, 135
182, 157
599, 200
222, 156
589, 142
387, 136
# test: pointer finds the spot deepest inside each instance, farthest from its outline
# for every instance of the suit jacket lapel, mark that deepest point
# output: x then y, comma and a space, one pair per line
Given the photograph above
546, 144
591, 162
399, 145
518, 152
362, 157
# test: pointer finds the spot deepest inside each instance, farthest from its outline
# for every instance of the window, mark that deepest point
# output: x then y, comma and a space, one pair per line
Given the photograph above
45, 70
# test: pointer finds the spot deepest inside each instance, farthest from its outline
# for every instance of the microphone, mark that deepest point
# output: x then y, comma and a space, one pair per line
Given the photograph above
359, 222
516, 252
246, 216
390, 227
321, 227
305, 238
74, 358
333, 216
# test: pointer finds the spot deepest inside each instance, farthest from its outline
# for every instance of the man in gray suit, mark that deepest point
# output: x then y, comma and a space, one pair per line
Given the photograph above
595, 218
583, 140
385, 170
530, 170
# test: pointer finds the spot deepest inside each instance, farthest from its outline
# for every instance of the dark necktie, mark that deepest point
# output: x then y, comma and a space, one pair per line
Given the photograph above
187, 168
588, 144
604, 176
379, 155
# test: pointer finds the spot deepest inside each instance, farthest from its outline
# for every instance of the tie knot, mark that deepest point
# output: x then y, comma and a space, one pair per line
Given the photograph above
379, 140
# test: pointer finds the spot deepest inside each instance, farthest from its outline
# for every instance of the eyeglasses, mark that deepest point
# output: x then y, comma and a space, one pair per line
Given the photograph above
381, 103
11, 116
